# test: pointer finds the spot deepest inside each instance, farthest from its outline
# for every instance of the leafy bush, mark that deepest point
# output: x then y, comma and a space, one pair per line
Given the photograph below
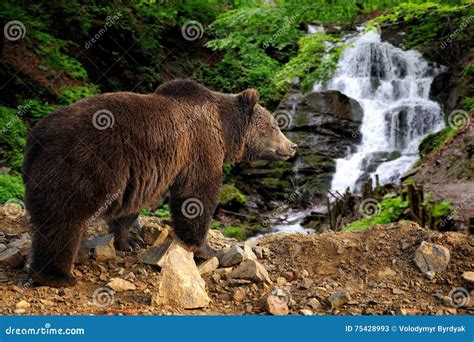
390, 209
11, 187
314, 62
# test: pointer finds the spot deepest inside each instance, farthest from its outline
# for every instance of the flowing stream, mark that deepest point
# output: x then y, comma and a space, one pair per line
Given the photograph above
392, 86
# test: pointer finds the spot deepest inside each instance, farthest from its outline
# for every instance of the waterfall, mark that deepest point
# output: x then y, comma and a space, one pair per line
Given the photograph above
392, 86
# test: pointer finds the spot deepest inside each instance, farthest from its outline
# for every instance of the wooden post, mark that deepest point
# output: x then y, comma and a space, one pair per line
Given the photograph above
329, 212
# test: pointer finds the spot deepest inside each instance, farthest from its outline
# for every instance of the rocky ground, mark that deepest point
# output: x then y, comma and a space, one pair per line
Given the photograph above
391, 269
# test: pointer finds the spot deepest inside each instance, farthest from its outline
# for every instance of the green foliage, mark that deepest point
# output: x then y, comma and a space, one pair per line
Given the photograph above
51, 50
230, 196
428, 21
71, 95
37, 109
11, 187
468, 103
433, 141
390, 209
442, 209
12, 136
235, 232
162, 212
314, 62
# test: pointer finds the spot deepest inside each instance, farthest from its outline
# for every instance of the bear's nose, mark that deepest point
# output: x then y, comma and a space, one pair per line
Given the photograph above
293, 147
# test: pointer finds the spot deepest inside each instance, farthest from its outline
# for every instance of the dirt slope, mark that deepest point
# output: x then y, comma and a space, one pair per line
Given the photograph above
375, 266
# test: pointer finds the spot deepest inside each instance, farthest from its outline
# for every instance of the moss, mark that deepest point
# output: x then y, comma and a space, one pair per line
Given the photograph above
11, 187
433, 141
12, 136
230, 196
235, 232
274, 183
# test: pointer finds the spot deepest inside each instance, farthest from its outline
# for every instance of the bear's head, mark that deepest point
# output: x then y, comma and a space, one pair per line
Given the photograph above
263, 138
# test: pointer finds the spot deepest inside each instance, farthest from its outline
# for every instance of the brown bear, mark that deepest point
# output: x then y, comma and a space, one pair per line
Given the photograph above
110, 155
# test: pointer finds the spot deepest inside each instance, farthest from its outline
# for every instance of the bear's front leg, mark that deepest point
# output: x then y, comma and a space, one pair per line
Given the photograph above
193, 200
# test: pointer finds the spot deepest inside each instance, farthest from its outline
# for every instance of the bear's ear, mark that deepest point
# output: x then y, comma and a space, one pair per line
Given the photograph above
248, 99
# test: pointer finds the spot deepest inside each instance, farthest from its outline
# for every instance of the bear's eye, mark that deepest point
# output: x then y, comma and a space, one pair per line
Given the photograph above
274, 127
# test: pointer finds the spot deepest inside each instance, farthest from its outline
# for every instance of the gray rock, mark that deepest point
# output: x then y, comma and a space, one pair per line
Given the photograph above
251, 270
103, 247
2, 247
154, 255
11, 258
23, 244
339, 298
208, 266
233, 257
432, 257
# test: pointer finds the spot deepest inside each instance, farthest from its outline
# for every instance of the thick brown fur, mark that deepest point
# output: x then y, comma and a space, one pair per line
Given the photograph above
176, 139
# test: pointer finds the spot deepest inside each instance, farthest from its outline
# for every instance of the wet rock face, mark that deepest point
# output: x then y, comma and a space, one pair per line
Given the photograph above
325, 125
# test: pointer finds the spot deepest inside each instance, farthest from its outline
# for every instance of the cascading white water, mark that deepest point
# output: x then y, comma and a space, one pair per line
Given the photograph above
392, 86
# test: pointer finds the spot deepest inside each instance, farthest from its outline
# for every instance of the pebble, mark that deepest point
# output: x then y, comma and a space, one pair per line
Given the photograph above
306, 312
276, 305
339, 298
209, 265
251, 270
281, 281
305, 284
22, 304
11, 258
468, 276
239, 294
432, 257
120, 285
234, 256
314, 303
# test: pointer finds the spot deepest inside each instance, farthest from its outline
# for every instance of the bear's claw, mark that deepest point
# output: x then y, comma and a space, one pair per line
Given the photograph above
207, 252
130, 242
